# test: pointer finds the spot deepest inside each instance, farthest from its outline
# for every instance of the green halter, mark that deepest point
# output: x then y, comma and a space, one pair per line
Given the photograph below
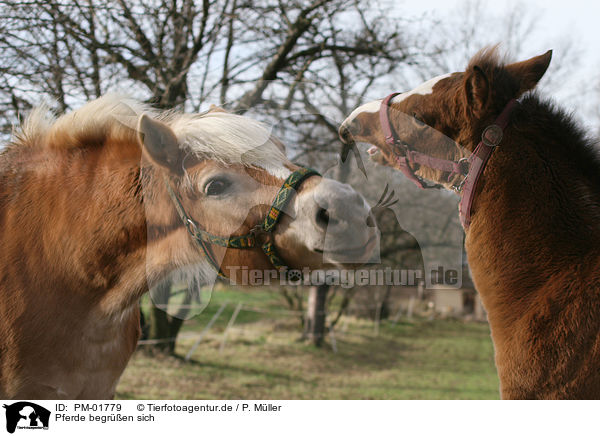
261, 234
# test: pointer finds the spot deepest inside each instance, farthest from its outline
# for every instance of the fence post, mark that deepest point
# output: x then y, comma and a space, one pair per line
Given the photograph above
398, 315
333, 341
377, 318
316, 314
344, 327
411, 304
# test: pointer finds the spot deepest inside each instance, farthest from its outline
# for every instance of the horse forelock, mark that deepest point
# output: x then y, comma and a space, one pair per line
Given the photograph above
230, 139
215, 135
488, 58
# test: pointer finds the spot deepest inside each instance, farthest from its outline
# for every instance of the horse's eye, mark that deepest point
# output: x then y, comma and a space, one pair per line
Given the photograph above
216, 186
418, 119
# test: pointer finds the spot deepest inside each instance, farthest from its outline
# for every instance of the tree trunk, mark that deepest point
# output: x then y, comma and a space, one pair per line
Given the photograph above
160, 331
314, 327
315, 316
162, 327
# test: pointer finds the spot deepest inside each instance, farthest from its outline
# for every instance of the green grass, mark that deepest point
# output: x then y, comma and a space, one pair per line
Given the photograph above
263, 359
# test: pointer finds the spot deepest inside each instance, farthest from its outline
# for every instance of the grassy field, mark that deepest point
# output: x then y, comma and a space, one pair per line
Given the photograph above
263, 359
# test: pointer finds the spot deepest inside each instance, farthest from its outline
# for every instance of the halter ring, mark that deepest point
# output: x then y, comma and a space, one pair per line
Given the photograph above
492, 135
261, 236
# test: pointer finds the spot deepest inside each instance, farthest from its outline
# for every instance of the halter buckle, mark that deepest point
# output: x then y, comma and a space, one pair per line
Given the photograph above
191, 226
492, 135
400, 146
261, 236
401, 150
458, 188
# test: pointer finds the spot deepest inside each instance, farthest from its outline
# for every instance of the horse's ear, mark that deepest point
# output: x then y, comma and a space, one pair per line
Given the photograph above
160, 143
477, 91
528, 73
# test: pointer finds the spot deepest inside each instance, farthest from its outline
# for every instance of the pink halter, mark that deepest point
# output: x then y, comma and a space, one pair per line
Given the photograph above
471, 167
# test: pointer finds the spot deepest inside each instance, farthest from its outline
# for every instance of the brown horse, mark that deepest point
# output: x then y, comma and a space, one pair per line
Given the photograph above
88, 226
533, 241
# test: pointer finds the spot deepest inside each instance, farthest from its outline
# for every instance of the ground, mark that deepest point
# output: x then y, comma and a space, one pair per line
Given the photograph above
263, 359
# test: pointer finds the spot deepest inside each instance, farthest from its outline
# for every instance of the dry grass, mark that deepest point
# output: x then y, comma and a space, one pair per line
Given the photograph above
263, 359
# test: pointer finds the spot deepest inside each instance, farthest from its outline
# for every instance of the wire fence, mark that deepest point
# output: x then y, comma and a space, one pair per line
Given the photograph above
241, 307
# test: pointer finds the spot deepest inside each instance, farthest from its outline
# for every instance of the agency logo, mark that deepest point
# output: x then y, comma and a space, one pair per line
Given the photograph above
26, 415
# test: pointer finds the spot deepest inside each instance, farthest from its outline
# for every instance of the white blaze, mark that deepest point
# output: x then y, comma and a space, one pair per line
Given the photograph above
423, 89
374, 106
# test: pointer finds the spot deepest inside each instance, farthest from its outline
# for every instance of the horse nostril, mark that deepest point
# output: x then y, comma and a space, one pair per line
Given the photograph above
345, 134
322, 218
371, 221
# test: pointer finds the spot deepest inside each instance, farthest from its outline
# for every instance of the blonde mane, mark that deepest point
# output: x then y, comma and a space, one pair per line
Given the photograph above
215, 135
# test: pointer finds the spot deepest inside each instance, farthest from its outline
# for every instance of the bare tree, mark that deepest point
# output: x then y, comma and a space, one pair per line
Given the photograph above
186, 53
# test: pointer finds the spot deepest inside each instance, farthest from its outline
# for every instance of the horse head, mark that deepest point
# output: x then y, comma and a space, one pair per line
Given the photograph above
442, 118
228, 175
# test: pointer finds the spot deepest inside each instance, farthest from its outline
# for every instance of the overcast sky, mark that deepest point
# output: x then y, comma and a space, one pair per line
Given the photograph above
576, 18
555, 20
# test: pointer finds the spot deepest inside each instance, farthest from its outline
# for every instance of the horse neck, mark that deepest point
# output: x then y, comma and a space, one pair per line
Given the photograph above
83, 209
535, 213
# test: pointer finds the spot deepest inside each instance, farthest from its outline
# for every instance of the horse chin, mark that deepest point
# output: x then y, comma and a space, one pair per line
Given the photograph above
337, 258
351, 256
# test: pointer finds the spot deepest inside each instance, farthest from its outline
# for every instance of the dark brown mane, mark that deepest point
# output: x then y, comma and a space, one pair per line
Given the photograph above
563, 132
491, 61
488, 57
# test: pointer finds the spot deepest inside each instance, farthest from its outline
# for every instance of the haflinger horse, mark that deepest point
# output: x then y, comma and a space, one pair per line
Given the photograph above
92, 210
529, 182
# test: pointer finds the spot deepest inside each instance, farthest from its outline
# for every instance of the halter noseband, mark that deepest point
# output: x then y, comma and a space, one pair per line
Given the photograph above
261, 234
471, 168
411, 156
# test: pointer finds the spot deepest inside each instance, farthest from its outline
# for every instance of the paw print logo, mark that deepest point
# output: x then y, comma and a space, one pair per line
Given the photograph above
294, 277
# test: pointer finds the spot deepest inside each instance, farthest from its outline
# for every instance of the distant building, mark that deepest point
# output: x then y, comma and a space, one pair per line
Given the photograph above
439, 300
